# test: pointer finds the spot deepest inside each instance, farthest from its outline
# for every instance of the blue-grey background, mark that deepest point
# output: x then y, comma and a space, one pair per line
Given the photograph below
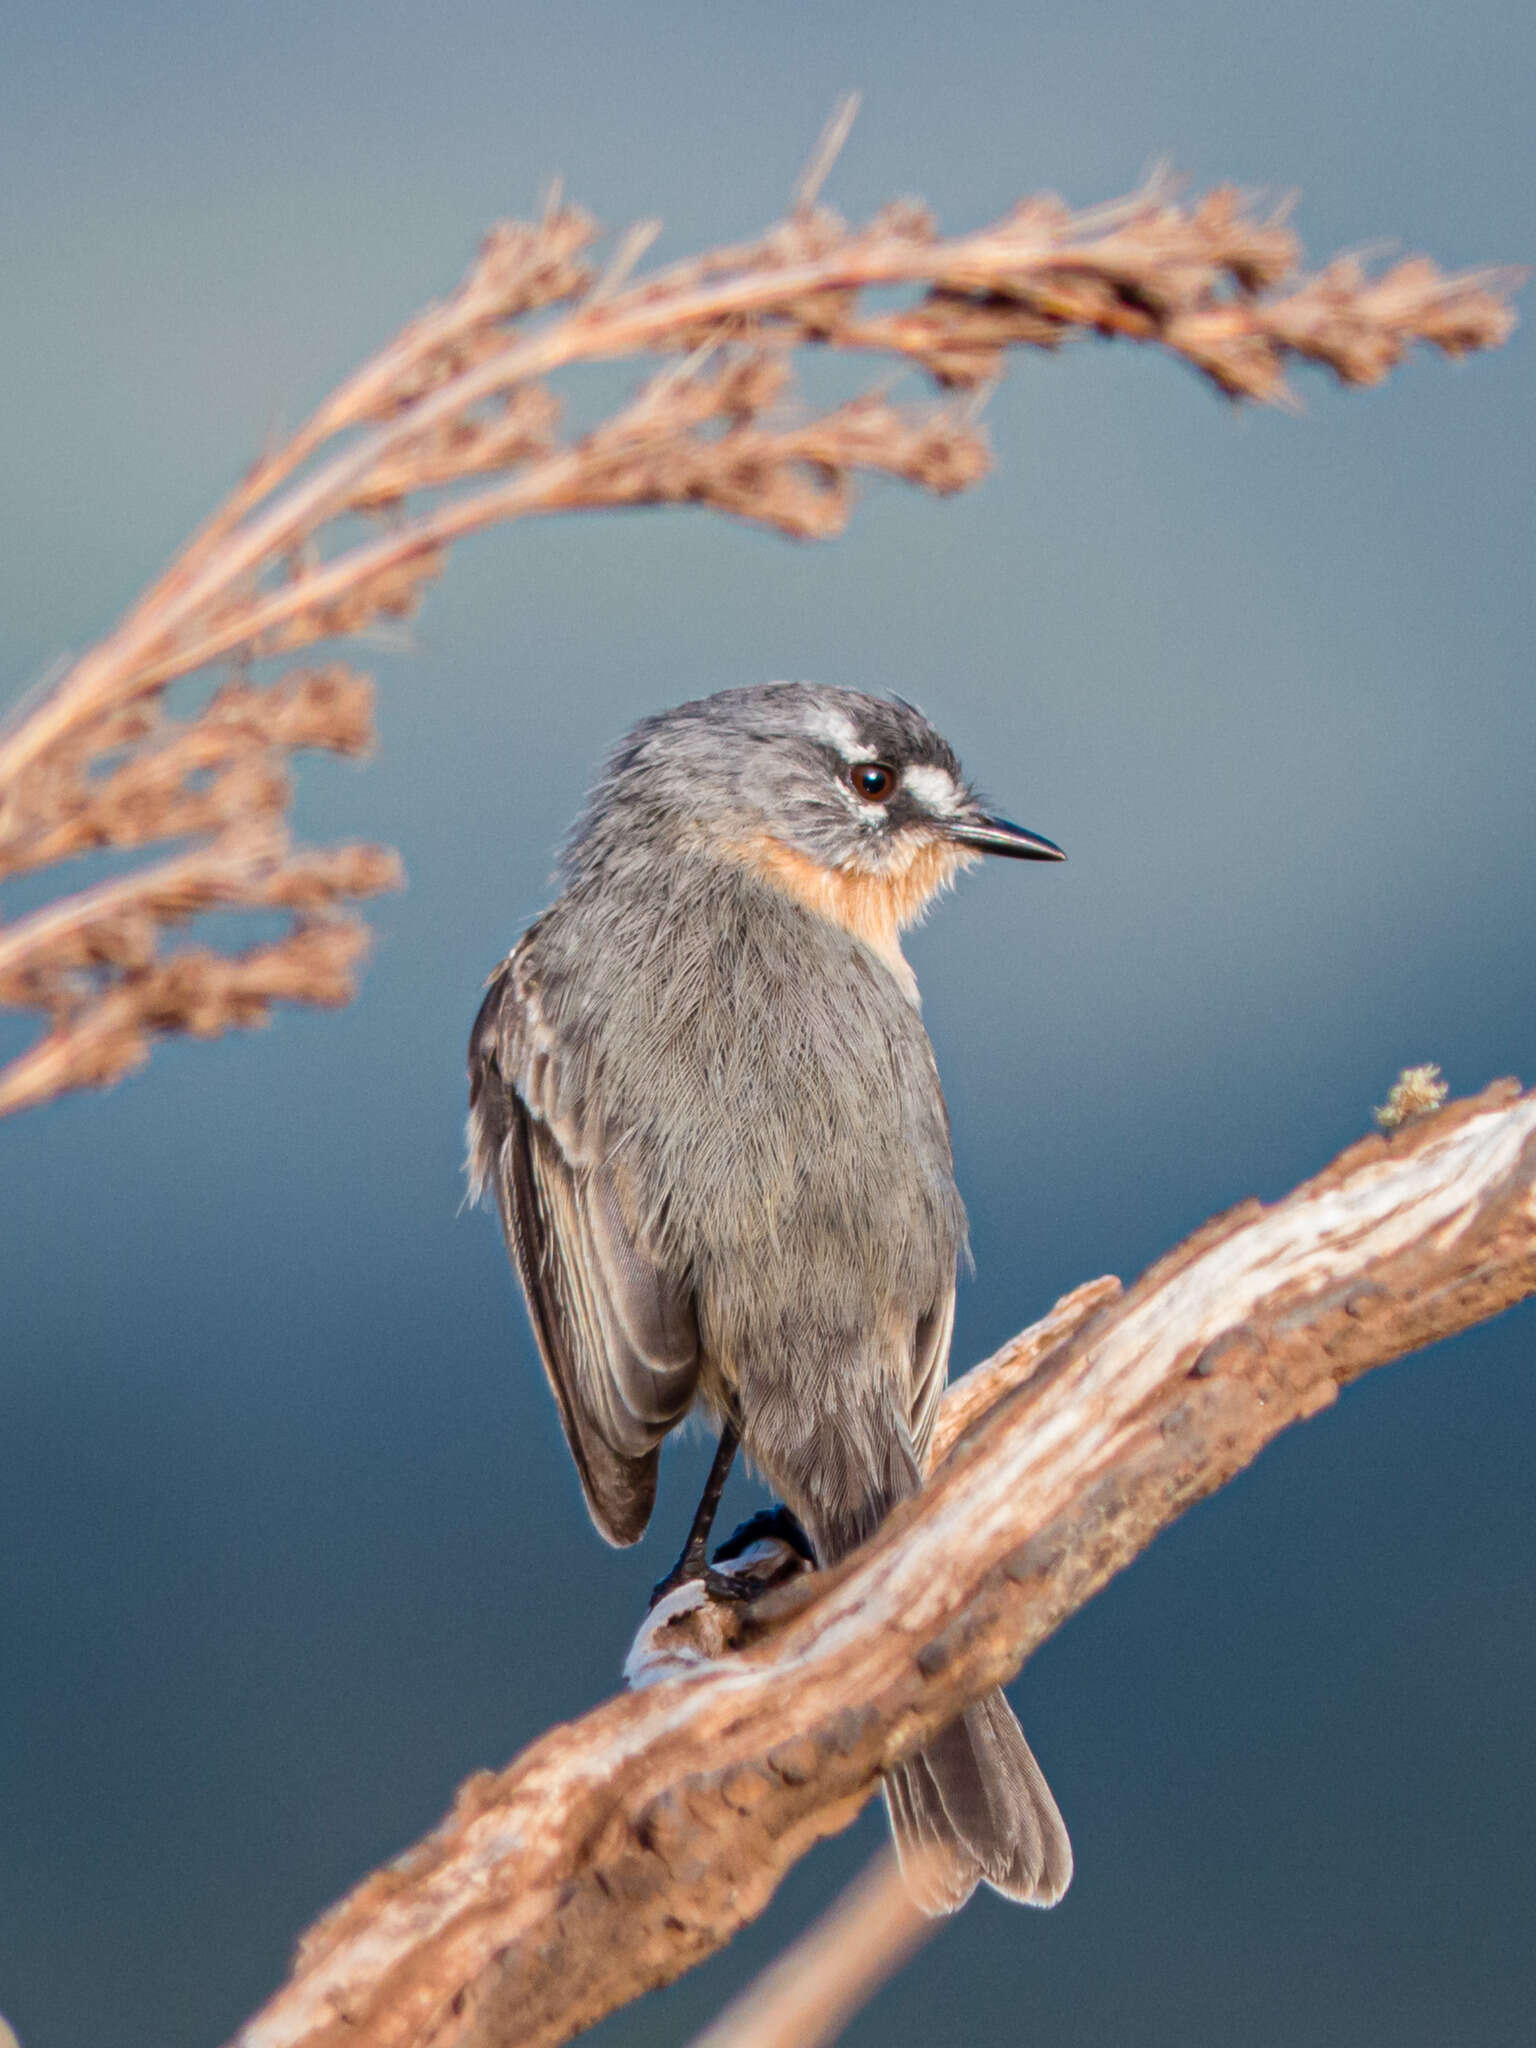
288, 1540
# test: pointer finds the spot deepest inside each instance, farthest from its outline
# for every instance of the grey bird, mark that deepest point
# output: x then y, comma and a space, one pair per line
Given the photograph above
703, 1094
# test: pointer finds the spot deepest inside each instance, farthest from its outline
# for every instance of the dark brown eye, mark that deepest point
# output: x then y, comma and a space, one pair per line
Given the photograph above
872, 780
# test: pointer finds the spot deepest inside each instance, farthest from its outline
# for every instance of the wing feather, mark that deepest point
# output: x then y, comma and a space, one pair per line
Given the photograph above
616, 1331
930, 1372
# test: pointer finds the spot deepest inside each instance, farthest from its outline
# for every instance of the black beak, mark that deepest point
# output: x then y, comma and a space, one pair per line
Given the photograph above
996, 835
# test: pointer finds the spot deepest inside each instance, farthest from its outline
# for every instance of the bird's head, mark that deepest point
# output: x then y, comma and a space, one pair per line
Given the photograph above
852, 803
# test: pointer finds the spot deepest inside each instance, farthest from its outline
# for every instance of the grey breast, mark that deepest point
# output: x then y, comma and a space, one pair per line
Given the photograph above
762, 1081
727, 1151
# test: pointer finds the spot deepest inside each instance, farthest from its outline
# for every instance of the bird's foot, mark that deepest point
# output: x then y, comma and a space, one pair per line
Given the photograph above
760, 1566
694, 1568
768, 1548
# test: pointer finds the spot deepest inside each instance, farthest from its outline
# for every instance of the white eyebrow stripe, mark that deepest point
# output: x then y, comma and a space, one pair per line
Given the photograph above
934, 788
834, 729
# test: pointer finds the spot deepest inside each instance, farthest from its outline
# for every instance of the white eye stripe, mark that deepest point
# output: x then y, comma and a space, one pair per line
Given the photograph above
933, 787
835, 730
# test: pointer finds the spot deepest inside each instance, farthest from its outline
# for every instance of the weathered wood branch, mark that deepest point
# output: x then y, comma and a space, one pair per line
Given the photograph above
622, 1849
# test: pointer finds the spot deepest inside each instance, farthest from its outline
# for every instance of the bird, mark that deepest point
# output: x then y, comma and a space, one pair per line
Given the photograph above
704, 1098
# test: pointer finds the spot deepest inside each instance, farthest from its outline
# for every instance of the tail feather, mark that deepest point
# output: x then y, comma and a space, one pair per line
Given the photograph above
974, 1807
939, 1875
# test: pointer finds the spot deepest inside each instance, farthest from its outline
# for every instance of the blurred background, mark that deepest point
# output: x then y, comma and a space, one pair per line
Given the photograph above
289, 1542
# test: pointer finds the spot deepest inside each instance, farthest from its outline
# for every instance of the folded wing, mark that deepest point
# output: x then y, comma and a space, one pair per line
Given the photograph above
617, 1331
930, 1372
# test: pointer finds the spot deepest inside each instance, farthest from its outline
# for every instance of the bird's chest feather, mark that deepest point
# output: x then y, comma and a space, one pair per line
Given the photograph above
770, 1088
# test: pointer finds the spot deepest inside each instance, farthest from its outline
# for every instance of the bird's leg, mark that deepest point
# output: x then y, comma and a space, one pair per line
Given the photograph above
694, 1562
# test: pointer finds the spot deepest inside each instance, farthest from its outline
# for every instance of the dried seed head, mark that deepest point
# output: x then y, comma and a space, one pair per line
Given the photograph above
1417, 1091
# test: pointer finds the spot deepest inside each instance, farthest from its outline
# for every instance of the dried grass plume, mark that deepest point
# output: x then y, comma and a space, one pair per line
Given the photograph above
458, 424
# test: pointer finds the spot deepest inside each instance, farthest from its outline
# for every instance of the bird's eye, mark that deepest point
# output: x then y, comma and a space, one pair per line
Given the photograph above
872, 780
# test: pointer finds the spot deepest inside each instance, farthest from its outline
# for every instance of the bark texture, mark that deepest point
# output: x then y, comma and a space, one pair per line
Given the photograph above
620, 1850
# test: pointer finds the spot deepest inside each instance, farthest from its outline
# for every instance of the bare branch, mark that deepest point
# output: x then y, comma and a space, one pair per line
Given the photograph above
455, 425
807, 1997
620, 1850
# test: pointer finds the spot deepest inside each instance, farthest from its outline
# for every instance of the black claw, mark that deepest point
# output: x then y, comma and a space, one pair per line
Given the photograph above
669, 1584
697, 1570
693, 1564
726, 1586
737, 1582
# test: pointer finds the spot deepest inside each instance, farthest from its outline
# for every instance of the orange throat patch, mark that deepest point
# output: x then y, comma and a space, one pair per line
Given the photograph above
874, 907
